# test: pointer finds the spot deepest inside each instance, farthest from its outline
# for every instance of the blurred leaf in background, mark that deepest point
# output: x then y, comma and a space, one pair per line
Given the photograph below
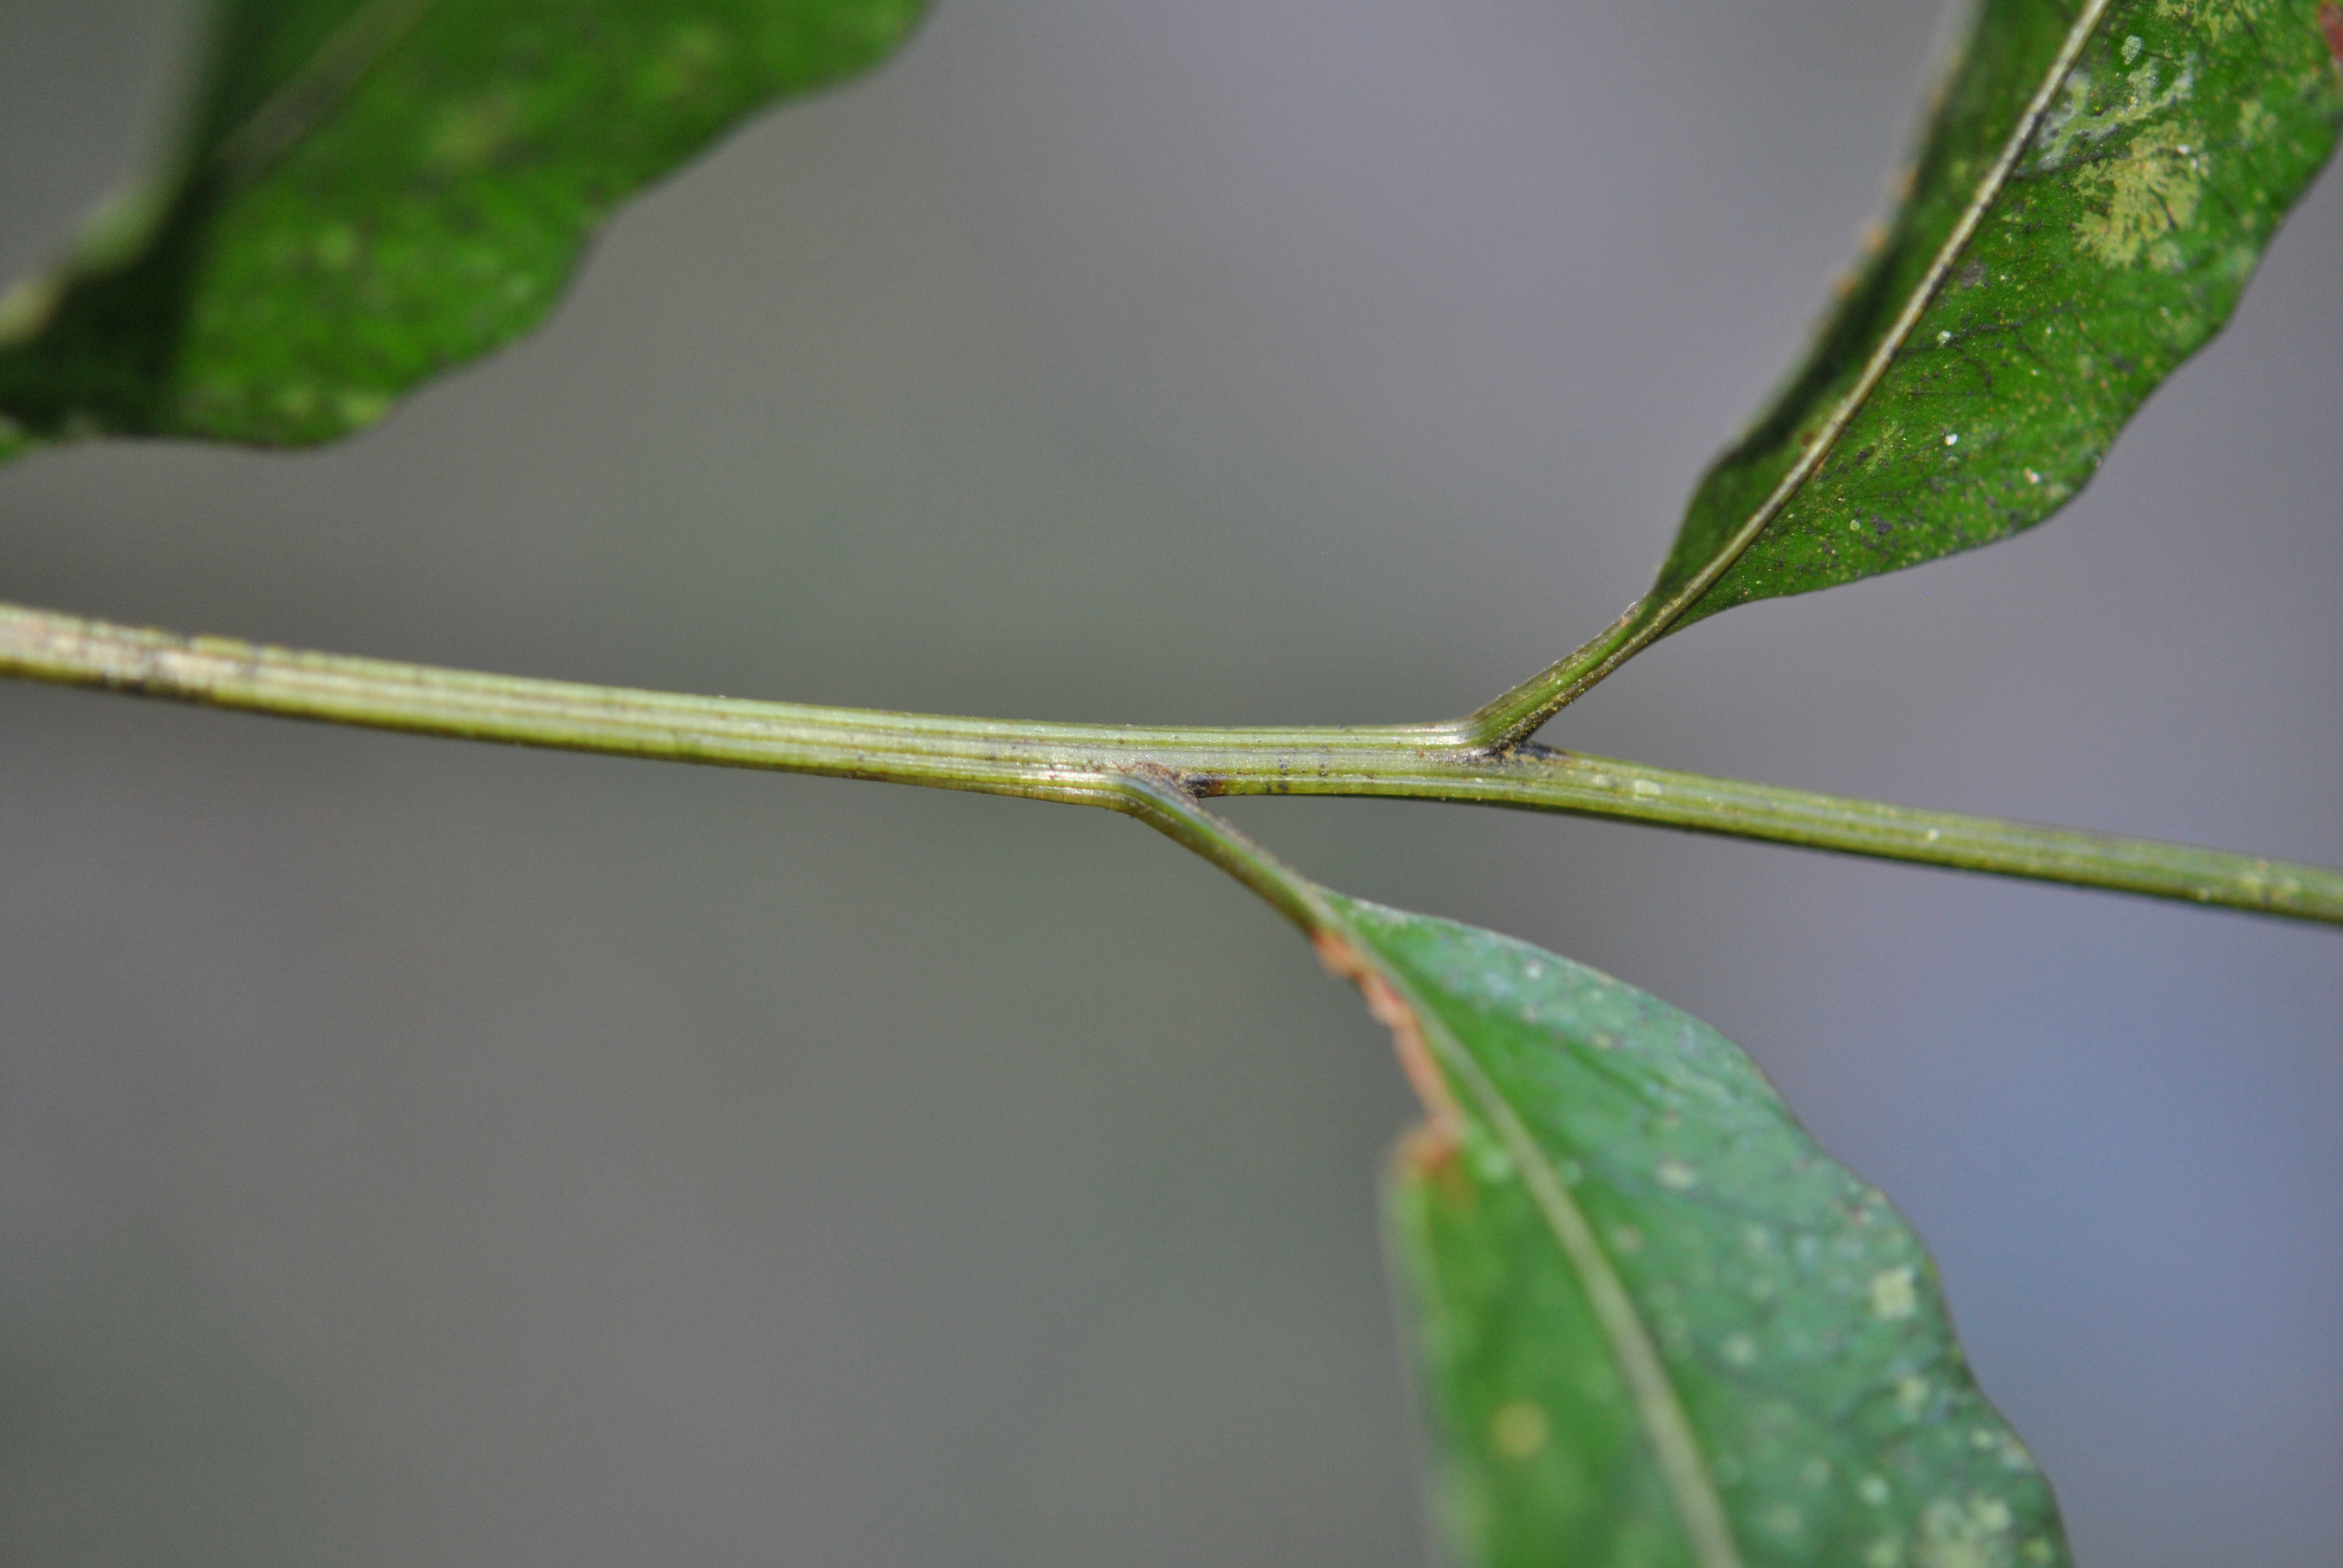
372, 192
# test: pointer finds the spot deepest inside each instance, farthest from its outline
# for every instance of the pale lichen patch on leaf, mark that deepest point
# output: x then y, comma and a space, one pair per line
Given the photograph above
2149, 193
2077, 122
2217, 19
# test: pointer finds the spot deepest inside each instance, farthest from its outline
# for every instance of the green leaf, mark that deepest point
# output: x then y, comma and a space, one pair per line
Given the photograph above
2096, 189
372, 192
1658, 1325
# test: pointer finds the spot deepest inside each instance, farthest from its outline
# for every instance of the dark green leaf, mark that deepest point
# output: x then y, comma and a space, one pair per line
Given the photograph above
2070, 237
1659, 1326
372, 192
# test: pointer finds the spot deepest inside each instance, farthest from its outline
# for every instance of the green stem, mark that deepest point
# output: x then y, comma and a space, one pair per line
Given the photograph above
1092, 764
1162, 801
1513, 716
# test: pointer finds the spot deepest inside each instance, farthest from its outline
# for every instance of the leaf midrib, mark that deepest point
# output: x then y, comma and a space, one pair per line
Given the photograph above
312, 91
1658, 1409
1883, 355
1645, 621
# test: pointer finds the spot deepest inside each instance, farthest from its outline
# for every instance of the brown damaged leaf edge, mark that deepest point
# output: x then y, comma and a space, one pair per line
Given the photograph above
1168, 803
1434, 1143
1429, 1053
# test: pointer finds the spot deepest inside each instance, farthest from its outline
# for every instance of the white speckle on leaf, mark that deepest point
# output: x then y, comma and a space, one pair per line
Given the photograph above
1892, 1295
1644, 788
1872, 1490
1740, 1350
1674, 1175
1912, 1393
2131, 48
1975, 1537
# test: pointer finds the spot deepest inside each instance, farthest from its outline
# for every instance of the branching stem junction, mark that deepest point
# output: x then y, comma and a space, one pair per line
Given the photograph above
1096, 764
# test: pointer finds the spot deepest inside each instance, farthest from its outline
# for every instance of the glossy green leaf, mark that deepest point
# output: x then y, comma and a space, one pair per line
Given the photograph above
372, 192
2097, 185
1660, 1327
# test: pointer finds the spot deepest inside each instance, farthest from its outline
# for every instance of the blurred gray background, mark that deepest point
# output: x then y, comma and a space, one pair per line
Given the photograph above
417, 1153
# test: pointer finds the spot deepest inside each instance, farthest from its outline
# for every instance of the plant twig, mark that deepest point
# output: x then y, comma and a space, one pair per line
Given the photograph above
1091, 764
